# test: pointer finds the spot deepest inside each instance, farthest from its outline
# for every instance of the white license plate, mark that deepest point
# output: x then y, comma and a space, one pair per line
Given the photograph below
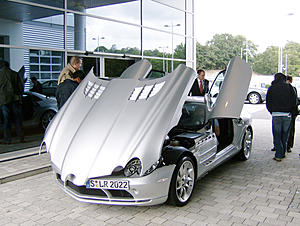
107, 184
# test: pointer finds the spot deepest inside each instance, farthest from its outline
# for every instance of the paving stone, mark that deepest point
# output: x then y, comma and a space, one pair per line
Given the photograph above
241, 214
250, 222
158, 220
296, 221
258, 218
266, 209
268, 214
172, 223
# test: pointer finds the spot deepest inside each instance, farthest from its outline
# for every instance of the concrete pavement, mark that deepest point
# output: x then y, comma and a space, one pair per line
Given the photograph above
259, 191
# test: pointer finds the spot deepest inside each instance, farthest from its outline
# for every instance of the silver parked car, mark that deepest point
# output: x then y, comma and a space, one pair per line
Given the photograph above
37, 109
139, 141
255, 95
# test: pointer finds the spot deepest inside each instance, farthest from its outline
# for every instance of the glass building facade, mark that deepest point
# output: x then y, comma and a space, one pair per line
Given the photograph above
109, 35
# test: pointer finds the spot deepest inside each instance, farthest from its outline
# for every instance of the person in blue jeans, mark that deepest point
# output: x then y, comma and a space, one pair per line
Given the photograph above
280, 101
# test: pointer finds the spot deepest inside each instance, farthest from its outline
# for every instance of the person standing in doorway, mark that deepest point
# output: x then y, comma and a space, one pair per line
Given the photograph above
280, 100
201, 85
295, 112
37, 86
74, 65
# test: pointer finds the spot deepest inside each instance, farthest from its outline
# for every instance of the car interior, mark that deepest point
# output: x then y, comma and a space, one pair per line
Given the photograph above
192, 125
226, 133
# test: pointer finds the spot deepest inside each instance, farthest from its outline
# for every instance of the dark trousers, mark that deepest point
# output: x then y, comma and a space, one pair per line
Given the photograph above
5, 109
12, 112
292, 133
280, 129
17, 118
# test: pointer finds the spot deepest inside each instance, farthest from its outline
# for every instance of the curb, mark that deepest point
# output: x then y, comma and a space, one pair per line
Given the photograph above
19, 154
27, 173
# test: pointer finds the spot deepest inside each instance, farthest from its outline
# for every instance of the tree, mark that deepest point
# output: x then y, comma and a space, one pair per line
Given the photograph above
292, 49
217, 53
102, 49
267, 62
180, 52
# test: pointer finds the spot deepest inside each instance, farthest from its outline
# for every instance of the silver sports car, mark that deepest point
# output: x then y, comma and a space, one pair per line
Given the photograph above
140, 141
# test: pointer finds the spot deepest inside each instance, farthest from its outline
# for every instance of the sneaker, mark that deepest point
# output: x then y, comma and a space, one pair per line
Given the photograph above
277, 159
273, 149
289, 150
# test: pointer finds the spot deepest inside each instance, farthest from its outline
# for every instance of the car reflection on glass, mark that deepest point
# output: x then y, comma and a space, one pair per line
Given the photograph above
38, 110
139, 141
49, 87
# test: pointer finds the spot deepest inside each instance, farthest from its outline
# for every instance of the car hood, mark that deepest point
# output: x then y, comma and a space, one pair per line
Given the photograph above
105, 124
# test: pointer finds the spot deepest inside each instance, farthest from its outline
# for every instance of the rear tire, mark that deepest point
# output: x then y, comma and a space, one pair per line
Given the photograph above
183, 182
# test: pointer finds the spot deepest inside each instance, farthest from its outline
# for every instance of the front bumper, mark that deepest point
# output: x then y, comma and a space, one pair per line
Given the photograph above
144, 191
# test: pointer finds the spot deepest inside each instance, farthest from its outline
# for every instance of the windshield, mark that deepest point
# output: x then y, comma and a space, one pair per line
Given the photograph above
193, 116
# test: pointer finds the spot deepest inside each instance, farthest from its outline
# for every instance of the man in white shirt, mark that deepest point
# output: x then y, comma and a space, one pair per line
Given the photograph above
201, 85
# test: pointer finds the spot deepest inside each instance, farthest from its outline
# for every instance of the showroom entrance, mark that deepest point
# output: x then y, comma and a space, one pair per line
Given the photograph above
104, 66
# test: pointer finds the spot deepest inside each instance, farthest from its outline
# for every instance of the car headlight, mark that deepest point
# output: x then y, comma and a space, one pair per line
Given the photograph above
154, 166
133, 167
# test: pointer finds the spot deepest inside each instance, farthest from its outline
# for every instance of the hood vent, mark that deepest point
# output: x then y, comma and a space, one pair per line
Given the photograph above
93, 90
143, 93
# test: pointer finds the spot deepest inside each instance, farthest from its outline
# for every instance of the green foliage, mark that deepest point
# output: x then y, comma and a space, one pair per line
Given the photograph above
292, 49
217, 53
267, 62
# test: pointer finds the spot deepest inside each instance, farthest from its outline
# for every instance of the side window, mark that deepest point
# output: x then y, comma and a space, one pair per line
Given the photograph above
53, 84
216, 86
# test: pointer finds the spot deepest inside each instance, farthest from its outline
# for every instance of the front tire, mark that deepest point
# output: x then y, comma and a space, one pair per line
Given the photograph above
46, 118
245, 151
183, 182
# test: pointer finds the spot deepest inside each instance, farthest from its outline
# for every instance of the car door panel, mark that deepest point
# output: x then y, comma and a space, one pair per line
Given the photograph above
232, 91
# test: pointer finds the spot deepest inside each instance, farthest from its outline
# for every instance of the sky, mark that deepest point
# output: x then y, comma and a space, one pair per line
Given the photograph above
264, 22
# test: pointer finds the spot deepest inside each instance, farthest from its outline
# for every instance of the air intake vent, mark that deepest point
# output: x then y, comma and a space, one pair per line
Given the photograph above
93, 90
143, 93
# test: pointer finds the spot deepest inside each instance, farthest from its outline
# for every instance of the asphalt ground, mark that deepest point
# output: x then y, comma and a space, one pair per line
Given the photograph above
259, 191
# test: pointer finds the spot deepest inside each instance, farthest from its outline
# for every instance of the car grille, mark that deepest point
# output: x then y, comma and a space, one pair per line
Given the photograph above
95, 192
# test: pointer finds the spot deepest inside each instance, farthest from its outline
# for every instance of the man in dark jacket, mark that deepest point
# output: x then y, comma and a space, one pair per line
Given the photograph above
201, 85
11, 89
67, 87
280, 101
295, 112
6, 99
